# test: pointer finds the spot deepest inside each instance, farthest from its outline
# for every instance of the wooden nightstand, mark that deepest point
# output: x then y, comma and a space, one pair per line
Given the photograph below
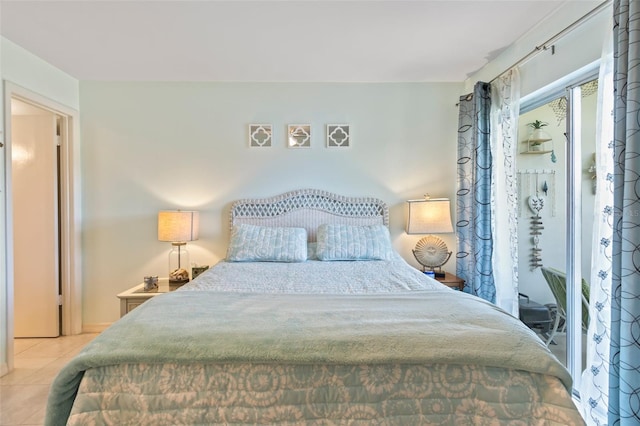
452, 281
136, 296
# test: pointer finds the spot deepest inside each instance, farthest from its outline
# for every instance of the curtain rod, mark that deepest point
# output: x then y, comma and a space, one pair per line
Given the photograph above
559, 35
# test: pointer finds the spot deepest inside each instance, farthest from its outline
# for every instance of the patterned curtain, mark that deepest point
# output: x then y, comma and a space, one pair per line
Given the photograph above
624, 374
594, 391
473, 226
505, 110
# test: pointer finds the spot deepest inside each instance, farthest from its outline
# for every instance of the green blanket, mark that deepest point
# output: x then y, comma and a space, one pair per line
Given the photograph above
430, 327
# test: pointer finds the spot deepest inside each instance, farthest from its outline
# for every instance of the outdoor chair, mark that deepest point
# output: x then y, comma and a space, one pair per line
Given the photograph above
557, 281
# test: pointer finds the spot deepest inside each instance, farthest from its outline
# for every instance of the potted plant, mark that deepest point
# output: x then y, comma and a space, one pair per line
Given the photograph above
537, 136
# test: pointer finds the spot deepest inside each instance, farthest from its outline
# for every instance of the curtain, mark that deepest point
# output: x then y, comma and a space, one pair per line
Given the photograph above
505, 109
473, 195
594, 391
624, 359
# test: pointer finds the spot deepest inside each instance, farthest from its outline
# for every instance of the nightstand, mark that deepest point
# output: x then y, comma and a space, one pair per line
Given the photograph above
136, 296
452, 281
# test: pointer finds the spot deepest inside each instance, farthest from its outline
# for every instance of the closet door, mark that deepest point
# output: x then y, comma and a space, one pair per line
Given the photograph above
35, 222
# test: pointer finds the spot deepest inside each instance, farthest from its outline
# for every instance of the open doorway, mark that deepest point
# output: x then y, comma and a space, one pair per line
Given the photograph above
557, 196
69, 271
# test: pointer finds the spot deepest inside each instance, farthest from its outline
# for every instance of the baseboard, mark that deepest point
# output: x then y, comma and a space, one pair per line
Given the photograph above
95, 328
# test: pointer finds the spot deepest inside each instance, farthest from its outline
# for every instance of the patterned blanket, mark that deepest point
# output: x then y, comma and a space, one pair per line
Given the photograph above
208, 327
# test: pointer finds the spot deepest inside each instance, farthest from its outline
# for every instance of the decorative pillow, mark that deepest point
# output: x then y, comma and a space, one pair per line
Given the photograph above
347, 242
250, 243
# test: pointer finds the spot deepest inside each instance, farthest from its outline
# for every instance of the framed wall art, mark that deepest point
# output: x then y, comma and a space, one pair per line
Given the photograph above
299, 136
260, 135
338, 136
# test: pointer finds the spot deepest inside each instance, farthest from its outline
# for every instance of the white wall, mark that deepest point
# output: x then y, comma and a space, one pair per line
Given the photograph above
152, 146
28, 71
23, 68
576, 49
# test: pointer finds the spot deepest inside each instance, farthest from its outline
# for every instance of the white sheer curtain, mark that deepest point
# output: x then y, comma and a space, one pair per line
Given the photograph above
595, 378
505, 109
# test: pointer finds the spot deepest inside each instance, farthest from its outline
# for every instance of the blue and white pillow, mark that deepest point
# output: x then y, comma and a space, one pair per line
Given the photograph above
251, 243
348, 242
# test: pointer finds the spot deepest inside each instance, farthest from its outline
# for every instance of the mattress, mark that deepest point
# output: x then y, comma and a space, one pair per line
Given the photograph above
370, 342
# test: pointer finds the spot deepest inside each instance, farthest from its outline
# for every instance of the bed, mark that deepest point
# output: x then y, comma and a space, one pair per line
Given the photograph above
313, 318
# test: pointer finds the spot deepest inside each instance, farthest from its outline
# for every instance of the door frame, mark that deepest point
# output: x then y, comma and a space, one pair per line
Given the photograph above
70, 213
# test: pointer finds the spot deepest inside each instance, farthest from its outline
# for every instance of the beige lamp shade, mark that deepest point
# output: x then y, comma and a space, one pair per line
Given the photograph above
429, 216
178, 225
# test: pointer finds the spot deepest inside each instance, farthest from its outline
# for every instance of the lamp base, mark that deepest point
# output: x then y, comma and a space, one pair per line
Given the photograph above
179, 275
431, 252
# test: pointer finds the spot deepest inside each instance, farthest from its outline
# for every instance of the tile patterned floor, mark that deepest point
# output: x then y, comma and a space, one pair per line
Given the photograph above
23, 392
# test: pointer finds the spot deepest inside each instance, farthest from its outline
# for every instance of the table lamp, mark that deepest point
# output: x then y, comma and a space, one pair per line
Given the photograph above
430, 216
178, 227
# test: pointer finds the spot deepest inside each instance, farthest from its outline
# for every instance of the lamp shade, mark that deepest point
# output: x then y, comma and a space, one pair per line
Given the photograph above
178, 225
429, 216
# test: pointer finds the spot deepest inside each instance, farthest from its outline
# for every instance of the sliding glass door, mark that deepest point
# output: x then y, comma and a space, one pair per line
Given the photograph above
556, 190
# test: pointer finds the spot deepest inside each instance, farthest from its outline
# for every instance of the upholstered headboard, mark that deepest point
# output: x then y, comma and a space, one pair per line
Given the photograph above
309, 208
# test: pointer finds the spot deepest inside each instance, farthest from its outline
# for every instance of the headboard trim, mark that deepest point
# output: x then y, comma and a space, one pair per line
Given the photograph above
309, 200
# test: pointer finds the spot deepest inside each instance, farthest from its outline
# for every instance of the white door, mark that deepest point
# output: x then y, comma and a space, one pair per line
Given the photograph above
34, 154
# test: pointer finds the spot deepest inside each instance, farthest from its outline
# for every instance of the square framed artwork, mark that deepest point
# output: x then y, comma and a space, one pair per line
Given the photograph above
260, 135
338, 136
299, 136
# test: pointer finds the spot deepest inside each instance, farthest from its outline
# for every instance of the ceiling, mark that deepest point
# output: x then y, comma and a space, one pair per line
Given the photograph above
288, 41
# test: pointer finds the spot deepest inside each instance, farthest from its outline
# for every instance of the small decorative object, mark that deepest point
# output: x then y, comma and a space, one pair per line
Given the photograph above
260, 135
299, 136
594, 175
528, 183
338, 136
536, 204
178, 275
536, 128
537, 138
197, 270
178, 227
150, 283
430, 216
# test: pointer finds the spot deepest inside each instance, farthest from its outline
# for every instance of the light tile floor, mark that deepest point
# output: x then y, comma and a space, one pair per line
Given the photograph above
23, 392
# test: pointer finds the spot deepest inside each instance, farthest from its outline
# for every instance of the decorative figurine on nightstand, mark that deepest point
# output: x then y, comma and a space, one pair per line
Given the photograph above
150, 283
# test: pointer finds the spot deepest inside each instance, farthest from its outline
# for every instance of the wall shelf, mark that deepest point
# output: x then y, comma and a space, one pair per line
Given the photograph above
536, 152
536, 146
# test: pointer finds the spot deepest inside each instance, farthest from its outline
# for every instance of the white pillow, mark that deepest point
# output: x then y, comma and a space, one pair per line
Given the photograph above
250, 243
347, 242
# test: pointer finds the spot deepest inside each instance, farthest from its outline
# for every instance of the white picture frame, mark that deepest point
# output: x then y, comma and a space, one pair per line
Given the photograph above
299, 136
260, 135
338, 136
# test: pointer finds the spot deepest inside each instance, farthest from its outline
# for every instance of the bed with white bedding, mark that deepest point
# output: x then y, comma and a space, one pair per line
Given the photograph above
309, 340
